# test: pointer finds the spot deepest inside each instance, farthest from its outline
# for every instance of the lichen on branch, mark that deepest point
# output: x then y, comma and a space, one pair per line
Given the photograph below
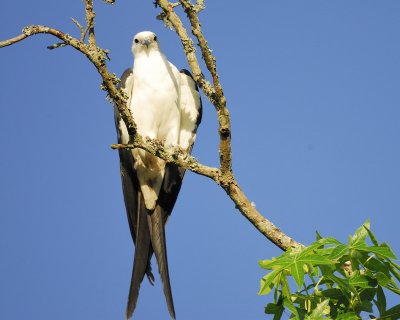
97, 56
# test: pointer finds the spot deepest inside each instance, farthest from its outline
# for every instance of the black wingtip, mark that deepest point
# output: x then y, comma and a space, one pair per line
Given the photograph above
170, 303
132, 299
172, 313
150, 275
157, 233
141, 262
187, 72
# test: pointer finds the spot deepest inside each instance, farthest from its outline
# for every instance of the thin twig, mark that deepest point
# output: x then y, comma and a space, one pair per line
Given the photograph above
223, 113
189, 49
81, 29
172, 155
199, 6
11, 41
56, 45
90, 15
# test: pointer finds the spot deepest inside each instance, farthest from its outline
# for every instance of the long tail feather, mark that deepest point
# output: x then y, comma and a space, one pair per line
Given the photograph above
157, 232
141, 262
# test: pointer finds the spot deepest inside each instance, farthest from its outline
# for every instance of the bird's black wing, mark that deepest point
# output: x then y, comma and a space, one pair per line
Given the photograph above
148, 227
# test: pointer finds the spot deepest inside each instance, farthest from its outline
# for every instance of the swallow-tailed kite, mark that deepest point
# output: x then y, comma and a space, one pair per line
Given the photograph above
166, 105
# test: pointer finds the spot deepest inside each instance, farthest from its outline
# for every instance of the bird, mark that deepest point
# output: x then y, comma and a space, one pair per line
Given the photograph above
166, 105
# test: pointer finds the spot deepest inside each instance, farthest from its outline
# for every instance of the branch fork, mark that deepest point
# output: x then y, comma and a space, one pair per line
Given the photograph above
213, 91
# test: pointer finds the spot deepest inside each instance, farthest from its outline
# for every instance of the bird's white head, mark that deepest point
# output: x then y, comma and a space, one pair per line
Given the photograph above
144, 42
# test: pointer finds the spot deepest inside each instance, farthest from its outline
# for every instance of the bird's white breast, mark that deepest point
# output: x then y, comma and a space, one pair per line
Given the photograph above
155, 108
155, 99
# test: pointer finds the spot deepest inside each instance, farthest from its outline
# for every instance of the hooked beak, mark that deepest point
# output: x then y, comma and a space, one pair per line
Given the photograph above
146, 42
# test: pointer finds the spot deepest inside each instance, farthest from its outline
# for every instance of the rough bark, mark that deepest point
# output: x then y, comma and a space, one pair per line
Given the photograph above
223, 175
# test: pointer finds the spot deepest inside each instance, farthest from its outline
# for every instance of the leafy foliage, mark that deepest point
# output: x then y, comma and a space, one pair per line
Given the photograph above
334, 280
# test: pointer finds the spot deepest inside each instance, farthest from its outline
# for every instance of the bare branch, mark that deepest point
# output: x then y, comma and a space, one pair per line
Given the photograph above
56, 45
223, 113
90, 15
227, 182
171, 155
189, 48
11, 41
209, 59
215, 94
81, 29
222, 176
199, 6
263, 225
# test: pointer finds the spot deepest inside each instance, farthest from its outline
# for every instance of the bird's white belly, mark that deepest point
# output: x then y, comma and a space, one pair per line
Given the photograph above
155, 108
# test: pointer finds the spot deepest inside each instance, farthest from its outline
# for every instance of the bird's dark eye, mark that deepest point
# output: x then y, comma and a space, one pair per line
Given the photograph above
136, 40
155, 38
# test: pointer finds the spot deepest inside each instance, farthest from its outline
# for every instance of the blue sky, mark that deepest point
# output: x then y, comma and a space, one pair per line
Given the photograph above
313, 91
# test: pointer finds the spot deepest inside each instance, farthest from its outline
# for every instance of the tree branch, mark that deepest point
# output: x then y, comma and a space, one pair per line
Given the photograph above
223, 176
189, 48
90, 15
81, 29
214, 93
263, 225
216, 96
11, 41
172, 155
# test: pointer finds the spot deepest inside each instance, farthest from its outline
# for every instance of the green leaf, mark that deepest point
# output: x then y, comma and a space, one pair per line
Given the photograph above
279, 263
266, 282
324, 251
368, 294
314, 272
383, 251
372, 236
315, 259
338, 252
329, 240
320, 261
319, 311
380, 301
276, 309
376, 265
391, 288
318, 236
366, 306
392, 313
285, 287
318, 246
297, 271
358, 280
348, 316
333, 293
391, 265
290, 306
305, 258
395, 265
360, 234
344, 286
327, 270
383, 279
357, 254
